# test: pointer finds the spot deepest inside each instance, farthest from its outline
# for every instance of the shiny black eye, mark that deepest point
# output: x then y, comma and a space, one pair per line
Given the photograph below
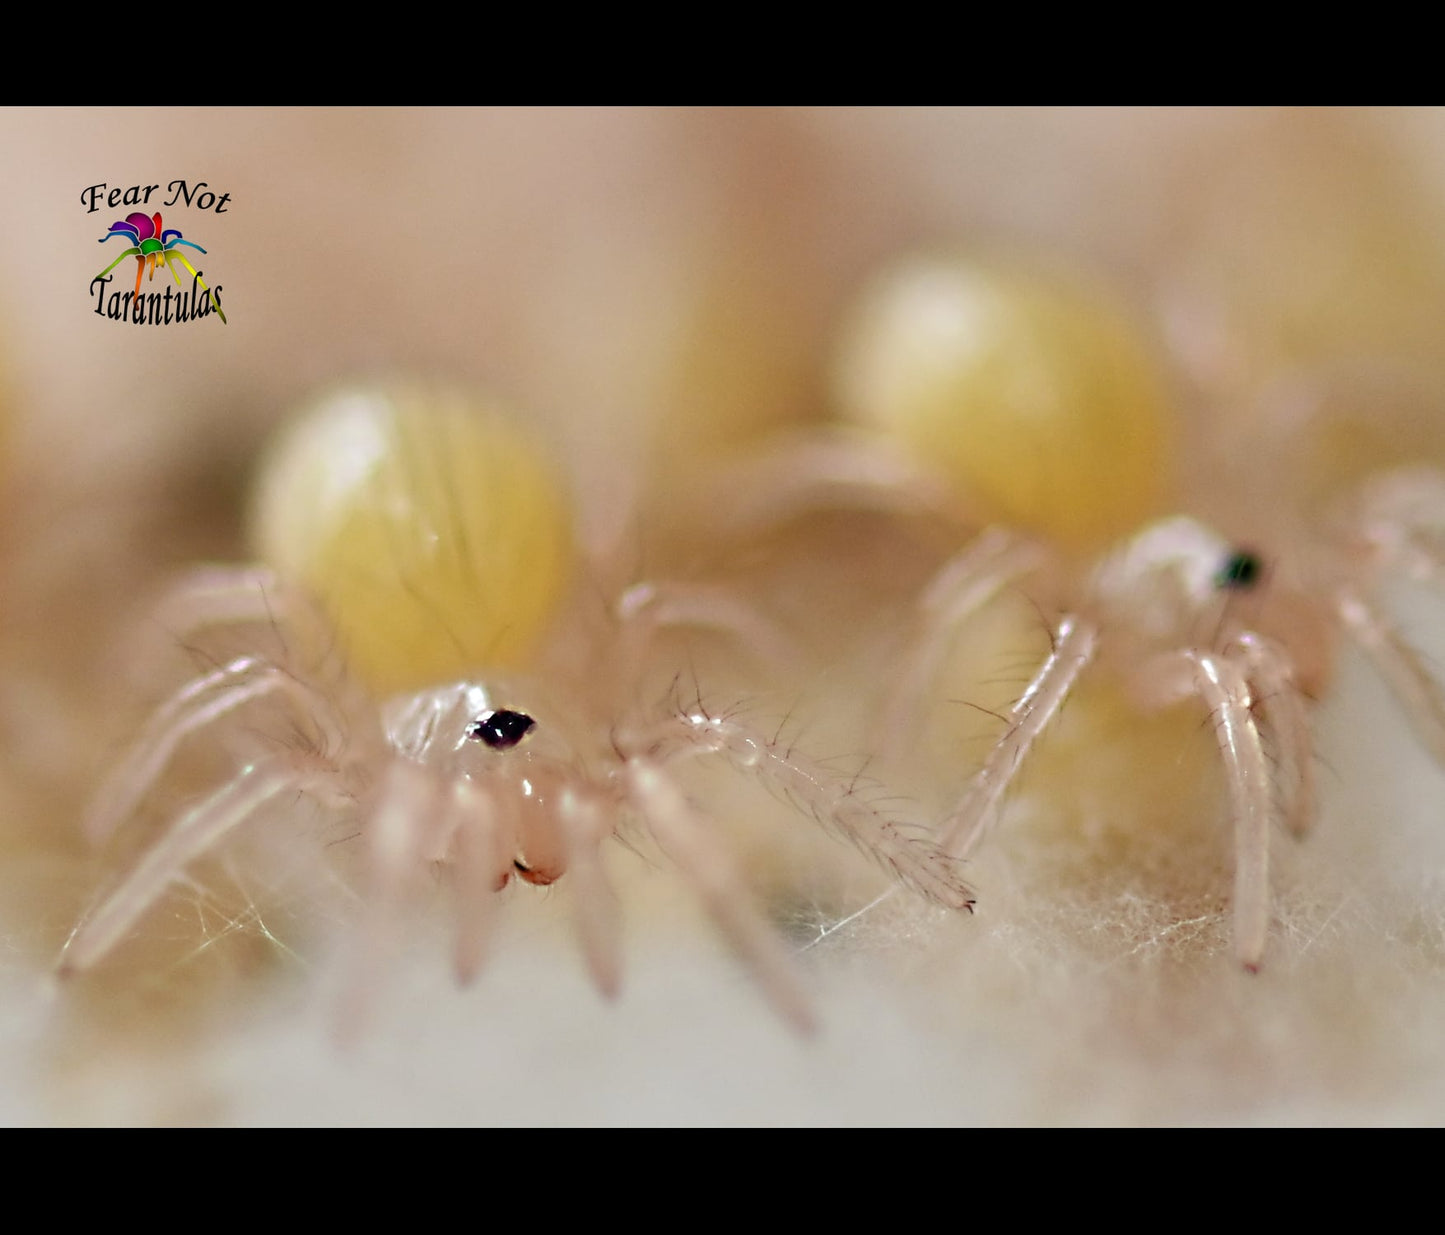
501, 729
1240, 572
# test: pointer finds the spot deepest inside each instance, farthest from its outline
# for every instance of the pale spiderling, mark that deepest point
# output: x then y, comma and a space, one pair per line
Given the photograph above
417, 535
1024, 403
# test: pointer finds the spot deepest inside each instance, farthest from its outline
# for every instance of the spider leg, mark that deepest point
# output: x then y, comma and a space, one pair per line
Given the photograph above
586, 824
1223, 685
213, 600
219, 596
1286, 728
965, 584
969, 822
197, 704
839, 803
199, 280
708, 867
1399, 523
140, 269
187, 839
1401, 667
827, 471
132, 252
645, 608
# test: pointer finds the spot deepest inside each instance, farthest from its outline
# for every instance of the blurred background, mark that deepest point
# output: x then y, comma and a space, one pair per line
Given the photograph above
656, 291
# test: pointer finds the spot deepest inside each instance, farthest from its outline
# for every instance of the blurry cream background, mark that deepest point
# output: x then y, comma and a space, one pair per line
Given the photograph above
655, 288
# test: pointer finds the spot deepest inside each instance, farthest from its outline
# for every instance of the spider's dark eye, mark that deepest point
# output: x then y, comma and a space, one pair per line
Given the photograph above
1240, 572
502, 729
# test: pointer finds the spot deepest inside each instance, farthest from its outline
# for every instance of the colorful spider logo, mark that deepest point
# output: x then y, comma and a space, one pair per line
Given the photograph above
151, 244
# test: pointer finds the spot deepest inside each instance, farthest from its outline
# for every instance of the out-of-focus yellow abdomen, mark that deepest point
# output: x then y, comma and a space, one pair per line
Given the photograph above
431, 530
1033, 391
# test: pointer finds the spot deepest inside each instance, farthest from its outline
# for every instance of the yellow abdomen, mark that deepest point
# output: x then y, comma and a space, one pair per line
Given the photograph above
432, 532
1033, 391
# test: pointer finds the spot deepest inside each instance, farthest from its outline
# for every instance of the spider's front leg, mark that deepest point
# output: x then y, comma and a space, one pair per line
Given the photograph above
712, 873
1252, 680
1280, 703
1224, 688
1074, 643
847, 806
850, 807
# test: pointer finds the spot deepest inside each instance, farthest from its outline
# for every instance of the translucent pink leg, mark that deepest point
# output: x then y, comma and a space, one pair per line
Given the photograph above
187, 839
646, 608
586, 824
1074, 644
196, 705
213, 597
1285, 728
1400, 520
1225, 690
224, 596
848, 806
711, 872
1400, 666
837, 471
965, 584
